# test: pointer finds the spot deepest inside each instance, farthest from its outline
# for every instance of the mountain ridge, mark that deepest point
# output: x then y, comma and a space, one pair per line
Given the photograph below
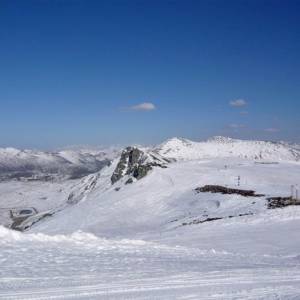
183, 149
15, 163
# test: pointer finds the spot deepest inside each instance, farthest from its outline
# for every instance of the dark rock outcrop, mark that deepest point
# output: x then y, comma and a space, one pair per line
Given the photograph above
279, 202
135, 163
129, 181
130, 159
225, 190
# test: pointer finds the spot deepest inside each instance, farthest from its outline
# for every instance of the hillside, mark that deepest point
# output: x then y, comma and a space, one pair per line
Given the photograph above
145, 227
43, 165
137, 172
183, 149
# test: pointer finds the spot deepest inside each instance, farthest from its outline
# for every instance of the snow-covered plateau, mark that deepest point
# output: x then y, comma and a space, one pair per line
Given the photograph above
182, 220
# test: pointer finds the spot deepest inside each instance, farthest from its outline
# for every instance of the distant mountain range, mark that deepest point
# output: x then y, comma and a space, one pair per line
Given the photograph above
32, 164
37, 165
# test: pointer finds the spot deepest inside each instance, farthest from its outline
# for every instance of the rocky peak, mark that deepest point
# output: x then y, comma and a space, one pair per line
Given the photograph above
135, 163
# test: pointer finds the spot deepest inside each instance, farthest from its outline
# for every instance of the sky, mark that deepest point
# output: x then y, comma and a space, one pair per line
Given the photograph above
122, 72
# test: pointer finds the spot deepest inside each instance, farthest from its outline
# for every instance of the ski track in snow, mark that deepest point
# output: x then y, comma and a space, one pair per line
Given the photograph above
82, 266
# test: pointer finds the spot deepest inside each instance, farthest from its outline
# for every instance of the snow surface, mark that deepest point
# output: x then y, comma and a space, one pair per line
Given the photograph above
131, 243
183, 149
16, 163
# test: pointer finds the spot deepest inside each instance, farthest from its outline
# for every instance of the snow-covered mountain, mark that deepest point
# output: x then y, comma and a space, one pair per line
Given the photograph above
134, 164
34, 164
182, 220
183, 149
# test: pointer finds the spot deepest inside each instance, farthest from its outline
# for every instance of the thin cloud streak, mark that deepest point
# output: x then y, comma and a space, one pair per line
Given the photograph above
144, 106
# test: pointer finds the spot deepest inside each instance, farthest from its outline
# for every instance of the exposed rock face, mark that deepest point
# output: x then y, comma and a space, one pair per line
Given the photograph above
225, 190
129, 181
135, 163
278, 202
130, 158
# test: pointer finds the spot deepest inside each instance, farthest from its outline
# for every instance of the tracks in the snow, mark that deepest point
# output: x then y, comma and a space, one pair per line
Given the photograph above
232, 284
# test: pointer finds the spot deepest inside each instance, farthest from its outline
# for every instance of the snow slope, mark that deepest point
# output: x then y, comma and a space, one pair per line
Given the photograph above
166, 198
183, 149
145, 241
83, 266
16, 163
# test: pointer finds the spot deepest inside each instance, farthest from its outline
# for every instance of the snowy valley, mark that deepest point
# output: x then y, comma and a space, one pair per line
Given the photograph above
217, 219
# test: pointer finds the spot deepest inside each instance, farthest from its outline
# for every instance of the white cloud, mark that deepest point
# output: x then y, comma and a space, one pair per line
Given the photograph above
238, 103
272, 129
145, 106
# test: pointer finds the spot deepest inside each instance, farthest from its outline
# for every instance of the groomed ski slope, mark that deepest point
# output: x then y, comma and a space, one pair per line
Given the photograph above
132, 244
83, 266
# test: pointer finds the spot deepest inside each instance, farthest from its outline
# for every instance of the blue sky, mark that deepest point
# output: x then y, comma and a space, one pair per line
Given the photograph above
121, 72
